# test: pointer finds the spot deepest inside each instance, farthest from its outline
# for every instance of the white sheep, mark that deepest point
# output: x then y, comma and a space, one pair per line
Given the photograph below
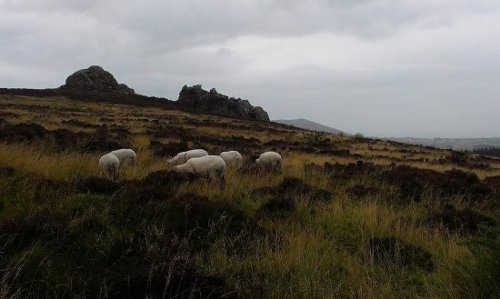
126, 156
270, 160
210, 167
109, 164
233, 159
183, 157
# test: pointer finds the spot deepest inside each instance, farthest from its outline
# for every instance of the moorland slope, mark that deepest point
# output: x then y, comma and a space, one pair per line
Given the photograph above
347, 217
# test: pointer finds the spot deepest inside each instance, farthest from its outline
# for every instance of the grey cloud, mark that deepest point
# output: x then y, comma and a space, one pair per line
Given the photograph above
392, 68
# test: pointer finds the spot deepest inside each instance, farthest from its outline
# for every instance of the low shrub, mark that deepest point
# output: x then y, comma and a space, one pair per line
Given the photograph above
393, 250
359, 191
293, 186
19, 232
7, 171
277, 207
97, 185
412, 181
466, 220
169, 149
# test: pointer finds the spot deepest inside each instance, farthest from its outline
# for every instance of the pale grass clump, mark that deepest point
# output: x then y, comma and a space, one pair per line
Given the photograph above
63, 166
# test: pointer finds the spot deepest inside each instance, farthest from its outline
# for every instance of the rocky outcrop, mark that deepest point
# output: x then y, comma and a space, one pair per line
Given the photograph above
97, 84
95, 78
199, 100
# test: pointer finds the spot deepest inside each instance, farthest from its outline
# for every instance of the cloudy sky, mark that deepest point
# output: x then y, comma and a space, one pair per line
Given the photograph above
426, 68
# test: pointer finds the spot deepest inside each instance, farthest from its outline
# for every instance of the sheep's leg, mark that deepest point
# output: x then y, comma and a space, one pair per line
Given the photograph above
217, 177
212, 176
113, 172
222, 179
110, 171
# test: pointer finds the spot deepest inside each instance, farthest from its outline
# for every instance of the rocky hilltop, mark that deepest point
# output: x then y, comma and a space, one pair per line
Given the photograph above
196, 99
95, 78
96, 84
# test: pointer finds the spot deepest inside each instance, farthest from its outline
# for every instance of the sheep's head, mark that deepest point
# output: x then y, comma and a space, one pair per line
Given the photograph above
133, 161
172, 162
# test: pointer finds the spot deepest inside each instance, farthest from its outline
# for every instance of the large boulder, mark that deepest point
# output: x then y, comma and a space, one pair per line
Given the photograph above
196, 99
95, 78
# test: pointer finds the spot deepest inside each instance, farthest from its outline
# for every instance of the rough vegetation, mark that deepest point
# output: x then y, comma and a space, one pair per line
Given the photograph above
345, 217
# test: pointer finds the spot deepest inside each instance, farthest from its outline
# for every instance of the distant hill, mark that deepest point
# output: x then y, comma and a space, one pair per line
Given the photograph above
452, 143
308, 125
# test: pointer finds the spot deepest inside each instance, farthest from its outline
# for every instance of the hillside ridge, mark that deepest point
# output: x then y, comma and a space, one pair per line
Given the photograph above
308, 125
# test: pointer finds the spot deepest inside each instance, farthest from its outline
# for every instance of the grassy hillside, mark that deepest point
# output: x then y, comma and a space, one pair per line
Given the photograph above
346, 218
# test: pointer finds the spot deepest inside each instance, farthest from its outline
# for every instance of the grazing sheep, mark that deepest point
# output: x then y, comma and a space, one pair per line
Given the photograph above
109, 164
233, 159
269, 160
210, 167
126, 156
183, 157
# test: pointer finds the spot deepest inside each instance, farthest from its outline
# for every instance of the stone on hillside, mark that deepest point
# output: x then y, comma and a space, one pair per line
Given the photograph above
199, 100
95, 78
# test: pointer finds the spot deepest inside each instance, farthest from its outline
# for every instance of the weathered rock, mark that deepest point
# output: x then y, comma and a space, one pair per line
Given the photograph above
199, 100
95, 78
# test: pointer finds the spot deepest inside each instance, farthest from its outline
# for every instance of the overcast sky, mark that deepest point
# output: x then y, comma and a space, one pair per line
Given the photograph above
426, 68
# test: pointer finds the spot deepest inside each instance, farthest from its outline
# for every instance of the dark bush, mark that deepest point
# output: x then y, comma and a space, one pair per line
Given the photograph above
483, 278
411, 190
191, 211
7, 171
351, 169
359, 191
97, 185
46, 189
102, 146
277, 207
79, 124
157, 264
458, 157
249, 167
147, 263
136, 192
293, 186
156, 185
163, 131
412, 181
493, 182
167, 177
169, 149
24, 132
238, 143
394, 250
458, 177
466, 220
478, 191
311, 167
64, 139
18, 232
103, 141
